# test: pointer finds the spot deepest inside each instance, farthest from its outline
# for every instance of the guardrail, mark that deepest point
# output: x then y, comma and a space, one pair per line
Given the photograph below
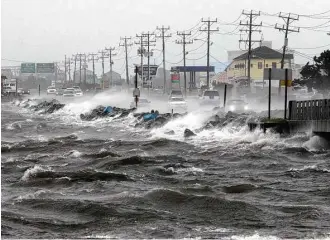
309, 110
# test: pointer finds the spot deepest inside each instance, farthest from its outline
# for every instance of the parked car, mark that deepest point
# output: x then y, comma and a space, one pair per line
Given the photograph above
177, 103
142, 103
176, 93
210, 97
237, 105
60, 91
69, 93
51, 90
78, 92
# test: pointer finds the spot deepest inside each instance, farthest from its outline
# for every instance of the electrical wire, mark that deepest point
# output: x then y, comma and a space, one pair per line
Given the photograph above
197, 47
218, 61
196, 58
313, 47
317, 26
316, 14
175, 62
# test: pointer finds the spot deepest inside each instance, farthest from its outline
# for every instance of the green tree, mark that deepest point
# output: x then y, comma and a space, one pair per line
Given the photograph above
317, 75
323, 63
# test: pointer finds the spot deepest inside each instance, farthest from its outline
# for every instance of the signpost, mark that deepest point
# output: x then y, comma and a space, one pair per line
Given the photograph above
136, 91
45, 68
28, 68
278, 74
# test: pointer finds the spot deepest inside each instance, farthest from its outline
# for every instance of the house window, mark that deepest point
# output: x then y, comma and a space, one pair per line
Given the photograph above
259, 65
266, 65
274, 64
251, 65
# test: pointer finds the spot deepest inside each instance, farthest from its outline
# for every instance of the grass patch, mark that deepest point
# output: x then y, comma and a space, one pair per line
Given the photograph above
273, 120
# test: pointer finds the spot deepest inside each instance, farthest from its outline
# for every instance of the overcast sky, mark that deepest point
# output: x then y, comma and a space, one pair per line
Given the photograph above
46, 30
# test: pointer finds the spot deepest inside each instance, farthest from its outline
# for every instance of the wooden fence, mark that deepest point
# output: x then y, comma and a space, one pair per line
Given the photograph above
309, 110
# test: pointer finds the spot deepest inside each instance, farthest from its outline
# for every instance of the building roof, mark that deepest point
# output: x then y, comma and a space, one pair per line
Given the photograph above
264, 52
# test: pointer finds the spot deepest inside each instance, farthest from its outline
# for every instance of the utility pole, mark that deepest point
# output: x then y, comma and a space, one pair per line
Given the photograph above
250, 24
69, 65
208, 30
102, 57
75, 68
184, 42
163, 36
80, 60
65, 68
147, 35
92, 55
288, 19
80, 69
111, 62
126, 57
85, 70
141, 52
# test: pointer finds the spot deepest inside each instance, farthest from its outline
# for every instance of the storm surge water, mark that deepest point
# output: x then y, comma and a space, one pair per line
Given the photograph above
116, 176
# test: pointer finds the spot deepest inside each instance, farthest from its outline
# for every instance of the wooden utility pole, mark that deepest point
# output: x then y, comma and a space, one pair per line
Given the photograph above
141, 52
208, 30
111, 62
163, 36
92, 58
65, 68
147, 35
85, 70
288, 19
126, 56
75, 68
184, 42
69, 66
250, 25
103, 55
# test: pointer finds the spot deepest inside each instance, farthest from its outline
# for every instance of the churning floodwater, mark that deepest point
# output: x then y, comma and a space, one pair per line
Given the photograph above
115, 177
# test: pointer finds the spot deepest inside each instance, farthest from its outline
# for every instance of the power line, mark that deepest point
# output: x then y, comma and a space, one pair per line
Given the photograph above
313, 47
288, 19
125, 44
110, 49
250, 24
147, 35
208, 30
184, 42
163, 36
93, 55
103, 55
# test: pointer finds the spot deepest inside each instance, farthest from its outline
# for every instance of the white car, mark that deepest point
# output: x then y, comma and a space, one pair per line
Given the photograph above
142, 103
177, 104
236, 105
51, 90
176, 93
69, 93
78, 92
210, 97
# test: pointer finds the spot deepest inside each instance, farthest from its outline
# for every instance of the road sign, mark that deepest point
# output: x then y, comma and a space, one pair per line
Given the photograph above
136, 92
153, 70
28, 68
283, 83
277, 73
45, 67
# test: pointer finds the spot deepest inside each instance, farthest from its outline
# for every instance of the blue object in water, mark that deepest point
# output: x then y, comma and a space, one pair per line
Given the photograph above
107, 109
149, 116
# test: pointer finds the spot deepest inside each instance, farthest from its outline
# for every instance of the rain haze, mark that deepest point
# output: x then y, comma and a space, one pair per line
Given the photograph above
168, 119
